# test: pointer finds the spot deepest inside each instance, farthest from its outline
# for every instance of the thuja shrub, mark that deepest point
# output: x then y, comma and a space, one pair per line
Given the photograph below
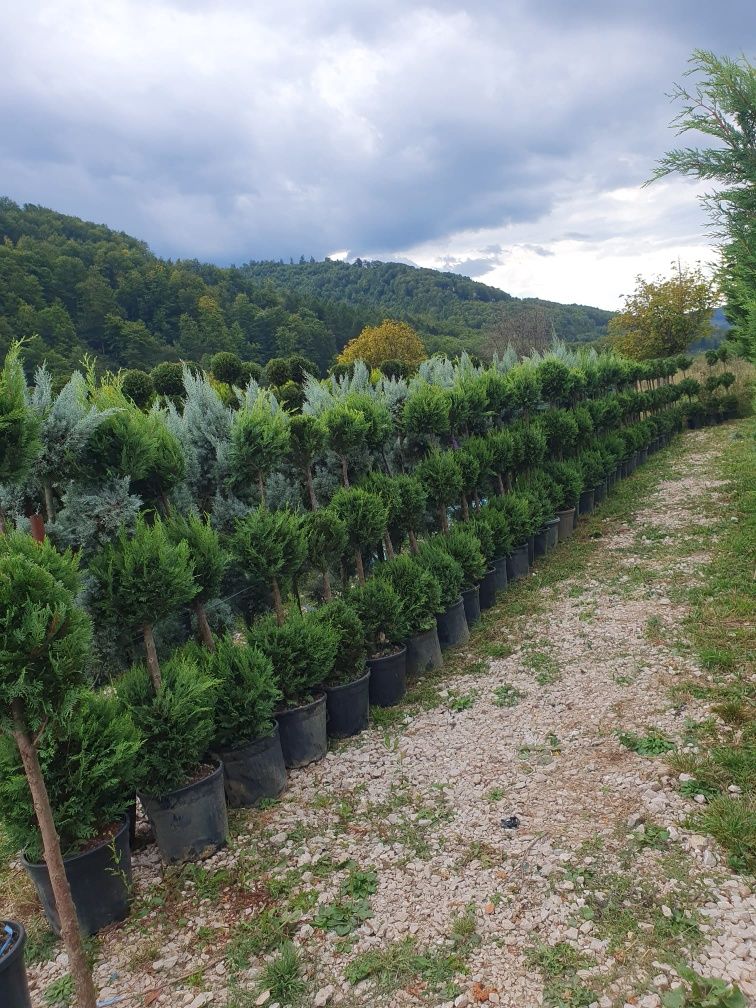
270, 549
382, 615
469, 469
426, 412
364, 515
302, 650
409, 511
462, 544
259, 437
246, 693
556, 382
88, 759
592, 468
349, 663
176, 722
485, 537
444, 568
561, 431
516, 509
326, 536
418, 589
306, 441
502, 447
524, 388
209, 563
568, 477
497, 523
137, 386
441, 476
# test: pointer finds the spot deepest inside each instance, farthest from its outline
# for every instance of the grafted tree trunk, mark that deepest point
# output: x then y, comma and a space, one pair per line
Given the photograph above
327, 593
204, 627
69, 925
152, 659
344, 471
443, 518
500, 484
360, 567
412, 540
278, 602
49, 502
465, 508
389, 546
310, 488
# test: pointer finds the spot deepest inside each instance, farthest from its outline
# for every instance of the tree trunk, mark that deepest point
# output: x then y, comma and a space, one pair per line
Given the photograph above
500, 484
278, 602
509, 482
2, 522
478, 505
344, 471
165, 504
465, 508
412, 540
49, 503
37, 527
443, 518
204, 627
261, 488
152, 659
389, 546
69, 925
360, 567
310, 489
327, 593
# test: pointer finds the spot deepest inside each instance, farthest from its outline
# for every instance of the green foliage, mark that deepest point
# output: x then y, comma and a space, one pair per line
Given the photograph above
44, 635
703, 992
168, 380
326, 536
499, 532
444, 568
441, 476
19, 427
349, 663
343, 917
426, 412
142, 577
417, 588
410, 504
306, 438
516, 509
270, 544
462, 544
138, 386
208, 558
259, 437
227, 367
246, 693
282, 976
176, 724
364, 515
569, 478
382, 615
88, 761
652, 744
303, 650
346, 428
484, 534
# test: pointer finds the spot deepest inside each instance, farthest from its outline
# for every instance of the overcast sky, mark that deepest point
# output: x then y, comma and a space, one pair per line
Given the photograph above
504, 140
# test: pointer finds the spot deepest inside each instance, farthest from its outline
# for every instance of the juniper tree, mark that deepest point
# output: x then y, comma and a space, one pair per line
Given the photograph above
326, 536
307, 439
259, 437
364, 515
270, 547
441, 476
209, 562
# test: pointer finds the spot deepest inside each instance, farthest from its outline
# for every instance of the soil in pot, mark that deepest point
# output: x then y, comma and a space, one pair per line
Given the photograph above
452, 625
14, 989
566, 525
348, 707
253, 770
487, 590
500, 575
517, 562
552, 533
100, 881
424, 652
388, 678
304, 738
531, 550
190, 823
471, 600
585, 504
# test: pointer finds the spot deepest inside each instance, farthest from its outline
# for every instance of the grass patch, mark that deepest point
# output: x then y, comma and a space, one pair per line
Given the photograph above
558, 964
652, 744
283, 977
507, 695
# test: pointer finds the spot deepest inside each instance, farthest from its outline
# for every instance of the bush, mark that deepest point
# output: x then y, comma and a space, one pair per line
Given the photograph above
250, 371
409, 511
259, 437
208, 558
88, 760
561, 431
364, 515
418, 589
382, 616
556, 382
349, 663
516, 509
138, 386
485, 537
395, 369
302, 649
426, 412
441, 476
227, 367
568, 478
499, 529
176, 723
444, 568
246, 692
462, 544
592, 468
270, 548
168, 380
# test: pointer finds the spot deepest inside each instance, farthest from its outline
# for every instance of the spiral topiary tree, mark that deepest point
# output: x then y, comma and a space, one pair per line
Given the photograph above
44, 644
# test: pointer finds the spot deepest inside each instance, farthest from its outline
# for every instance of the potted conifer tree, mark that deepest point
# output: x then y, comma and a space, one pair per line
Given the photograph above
408, 518
385, 628
209, 561
270, 547
259, 437
462, 543
451, 622
303, 650
347, 687
485, 536
502, 544
307, 439
364, 515
568, 477
441, 476
326, 536
515, 509
420, 594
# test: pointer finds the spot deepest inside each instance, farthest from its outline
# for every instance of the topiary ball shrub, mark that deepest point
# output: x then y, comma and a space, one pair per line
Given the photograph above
227, 367
168, 379
462, 544
349, 663
381, 613
303, 651
418, 589
138, 386
444, 568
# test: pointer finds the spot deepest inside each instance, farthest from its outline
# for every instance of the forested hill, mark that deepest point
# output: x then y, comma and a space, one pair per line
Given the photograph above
433, 300
69, 287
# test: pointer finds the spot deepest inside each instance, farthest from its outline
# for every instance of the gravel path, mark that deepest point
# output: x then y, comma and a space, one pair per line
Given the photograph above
587, 899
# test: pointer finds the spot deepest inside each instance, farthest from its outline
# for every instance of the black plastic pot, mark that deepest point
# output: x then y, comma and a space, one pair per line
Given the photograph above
14, 990
388, 678
500, 575
100, 881
189, 823
348, 707
552, 533
471, 600
452, 625
599, 492
253, 770
585, 504
487, 590
304, 738
518, 564
531, 550
540, 542
643, 456
566, 525
424, 652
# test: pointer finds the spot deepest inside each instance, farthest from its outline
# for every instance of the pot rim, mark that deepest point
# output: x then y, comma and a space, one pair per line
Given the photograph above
186, 787
386, 657
567, 511
347, 685
81, 854
15, 943
472, 588
217, 750
320, 698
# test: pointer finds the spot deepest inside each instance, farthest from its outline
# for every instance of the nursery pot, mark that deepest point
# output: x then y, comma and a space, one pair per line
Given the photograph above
531, 550
487, 589
348, 707
189, 823
424, 652
388, 678
100, 881
471, 599
566, 523
500, 577
517, 562
540, 542
585, 504
303, 733
643, 453
599, 492
14, 990
253, 770
452, 625
552, 533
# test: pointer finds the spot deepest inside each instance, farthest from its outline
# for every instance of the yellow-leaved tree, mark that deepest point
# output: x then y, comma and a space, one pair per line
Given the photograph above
390, 341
